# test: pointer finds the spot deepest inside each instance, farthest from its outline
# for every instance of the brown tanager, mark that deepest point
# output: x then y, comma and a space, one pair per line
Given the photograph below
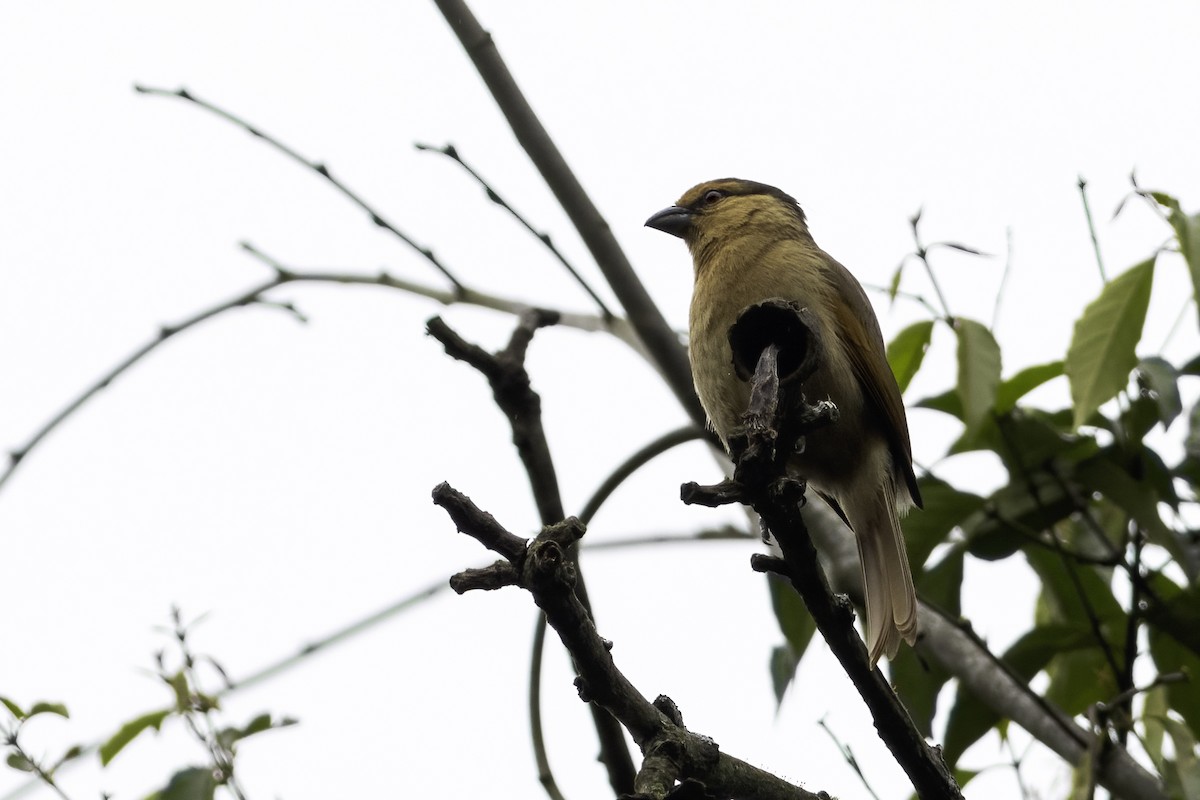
750, 242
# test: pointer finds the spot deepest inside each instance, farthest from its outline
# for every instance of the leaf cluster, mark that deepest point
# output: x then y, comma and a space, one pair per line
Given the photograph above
1088, 502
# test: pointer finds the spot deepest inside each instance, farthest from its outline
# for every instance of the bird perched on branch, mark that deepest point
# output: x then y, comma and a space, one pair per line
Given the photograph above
750, 242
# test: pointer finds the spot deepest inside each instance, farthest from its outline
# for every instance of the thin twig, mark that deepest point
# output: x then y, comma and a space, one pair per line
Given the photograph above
245, 298
951, 643
916, 298
316, 166
287, 275
1003, 278
610, 484
667, 352
545, 774
345, 633
848, 756
1087, 212
922, 255
627, 468
1132, 630
545, 573
1176, 325
1060, 549
283, 665
521, 405
42, 775
1149, 198
635, 462
451, 152
1016, 765
727, 533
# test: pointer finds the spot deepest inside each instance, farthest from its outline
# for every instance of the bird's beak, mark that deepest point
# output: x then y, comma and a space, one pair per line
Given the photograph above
675, 220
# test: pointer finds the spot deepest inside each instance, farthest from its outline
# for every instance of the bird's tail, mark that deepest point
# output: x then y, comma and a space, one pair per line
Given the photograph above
891, 600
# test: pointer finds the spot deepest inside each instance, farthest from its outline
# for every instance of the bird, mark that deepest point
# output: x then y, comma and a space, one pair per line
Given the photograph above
750, 242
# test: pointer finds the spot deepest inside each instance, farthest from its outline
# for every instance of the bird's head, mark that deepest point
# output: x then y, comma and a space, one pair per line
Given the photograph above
717, 213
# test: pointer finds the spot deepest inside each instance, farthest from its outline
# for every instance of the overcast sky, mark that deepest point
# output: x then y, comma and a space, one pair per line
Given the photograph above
276, 476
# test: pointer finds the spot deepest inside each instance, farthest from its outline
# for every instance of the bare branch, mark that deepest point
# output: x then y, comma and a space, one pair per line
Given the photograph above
451, 152
1087, 212
521, 405
785, 347
317, 167
287, 275
662, 343
633, 464
951, 645
546, 572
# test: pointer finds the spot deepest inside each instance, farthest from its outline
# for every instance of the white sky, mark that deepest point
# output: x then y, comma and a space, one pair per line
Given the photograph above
277, 476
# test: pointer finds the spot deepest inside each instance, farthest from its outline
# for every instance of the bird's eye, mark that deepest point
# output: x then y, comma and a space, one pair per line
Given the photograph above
712, 196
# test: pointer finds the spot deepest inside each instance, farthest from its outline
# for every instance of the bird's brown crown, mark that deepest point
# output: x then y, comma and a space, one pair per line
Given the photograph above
707, 195
742, 216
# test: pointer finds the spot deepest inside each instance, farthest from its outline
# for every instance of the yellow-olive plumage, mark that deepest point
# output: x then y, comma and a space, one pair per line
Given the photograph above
750, 242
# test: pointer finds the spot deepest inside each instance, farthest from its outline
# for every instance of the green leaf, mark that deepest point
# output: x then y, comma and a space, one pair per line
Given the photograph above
945, 508
1191, 367
978, 371
73, 753
1083, 776
919, 683
1152, 712
1025, 439
970, 719
129, 732
963, 776
894, 286
13, 708
1159, 378
1159, 476
1103, 474
20, 762
941, 584
1080, 678
1077, 592
795, 622
263, 722
906, 352
962, 248
783, 670
1187, 233
1171, 656
183, 693
1187, 765
947, 402
1175, 612
1014, 514
797, 626
193, 783
49, 708
1192, 443
1102, 351
1024, 382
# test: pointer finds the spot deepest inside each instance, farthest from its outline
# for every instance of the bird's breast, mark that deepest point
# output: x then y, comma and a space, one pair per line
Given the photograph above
717, 301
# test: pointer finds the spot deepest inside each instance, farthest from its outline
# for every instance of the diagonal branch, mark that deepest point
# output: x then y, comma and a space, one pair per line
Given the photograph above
515, 396
950, 644
785, 348
941, 641
451, 152
662, 343
257, 295
673, 753
316, 166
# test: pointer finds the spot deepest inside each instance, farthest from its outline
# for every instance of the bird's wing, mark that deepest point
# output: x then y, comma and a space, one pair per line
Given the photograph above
875, 374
